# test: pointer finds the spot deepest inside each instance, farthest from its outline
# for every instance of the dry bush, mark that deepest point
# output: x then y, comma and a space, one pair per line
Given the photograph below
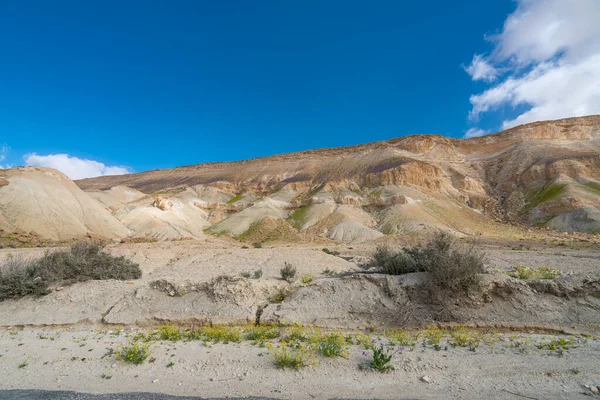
288, 272
452, 265
82, 262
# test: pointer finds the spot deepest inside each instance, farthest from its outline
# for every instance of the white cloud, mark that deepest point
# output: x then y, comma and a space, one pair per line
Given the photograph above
475, 132
481, 70
4, 149
549, 52
73, 167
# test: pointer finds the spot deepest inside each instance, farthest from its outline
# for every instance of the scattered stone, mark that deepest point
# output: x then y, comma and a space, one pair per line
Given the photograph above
426, 379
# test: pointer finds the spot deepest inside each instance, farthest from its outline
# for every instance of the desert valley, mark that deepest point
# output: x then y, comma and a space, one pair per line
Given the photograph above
269, 277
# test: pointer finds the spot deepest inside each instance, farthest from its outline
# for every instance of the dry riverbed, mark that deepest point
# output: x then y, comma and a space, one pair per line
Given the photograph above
431, 363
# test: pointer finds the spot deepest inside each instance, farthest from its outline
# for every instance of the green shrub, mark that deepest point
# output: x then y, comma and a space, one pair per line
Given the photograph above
82, 262
332, 345
288, 272
257, 245
451, 265
398, 263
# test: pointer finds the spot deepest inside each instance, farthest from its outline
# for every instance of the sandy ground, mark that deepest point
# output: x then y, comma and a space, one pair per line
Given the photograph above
76, 359
63, 337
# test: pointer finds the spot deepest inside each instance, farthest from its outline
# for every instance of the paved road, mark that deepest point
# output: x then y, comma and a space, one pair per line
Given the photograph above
64, 395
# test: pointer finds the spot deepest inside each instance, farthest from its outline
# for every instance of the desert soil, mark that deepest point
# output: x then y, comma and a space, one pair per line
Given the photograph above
75, 359
63, 337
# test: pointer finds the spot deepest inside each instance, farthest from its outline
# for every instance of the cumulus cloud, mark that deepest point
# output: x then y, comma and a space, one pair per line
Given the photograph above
547, 57
481, 70
74, 167
475, 132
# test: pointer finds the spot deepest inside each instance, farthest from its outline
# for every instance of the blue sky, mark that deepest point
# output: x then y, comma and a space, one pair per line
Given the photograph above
148, 84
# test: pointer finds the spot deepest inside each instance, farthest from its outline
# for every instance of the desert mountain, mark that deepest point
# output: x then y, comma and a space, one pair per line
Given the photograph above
542, 174
46, 202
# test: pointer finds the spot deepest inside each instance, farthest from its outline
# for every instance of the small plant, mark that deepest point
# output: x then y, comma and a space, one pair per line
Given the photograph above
402, 338
381, 359
333, 345
526, 272
23, 365
170, 365
133, 353
298, 357
214, 334
277, 298
288, 272
331, 252
557, 345
432, 336
105, 376
462, 337
255, 275
257, 245
244, 247
169, 332
262, 333
307, 278
330, 272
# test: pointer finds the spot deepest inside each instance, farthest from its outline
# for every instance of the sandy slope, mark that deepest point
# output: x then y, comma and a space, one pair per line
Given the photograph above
47, 202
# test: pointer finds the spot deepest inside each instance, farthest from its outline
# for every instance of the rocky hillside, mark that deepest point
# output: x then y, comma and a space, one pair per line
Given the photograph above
543, 174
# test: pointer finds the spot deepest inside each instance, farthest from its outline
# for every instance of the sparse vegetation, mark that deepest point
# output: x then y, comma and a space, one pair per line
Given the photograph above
288, 272
331, 252
262, 333
549, 192
333, 345
235, 199
252, 275
307, 278
298, 217
526, 272
297, 357
133, 353
277, 298
82, 262
451, 265
257, 245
